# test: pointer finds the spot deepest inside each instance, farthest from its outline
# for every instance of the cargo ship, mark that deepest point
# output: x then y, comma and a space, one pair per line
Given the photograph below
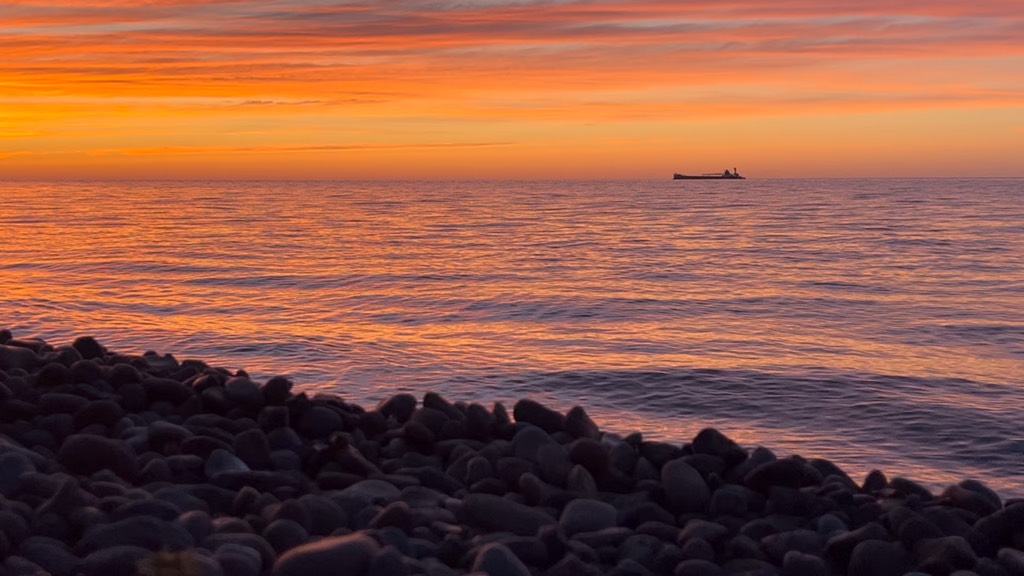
726, 175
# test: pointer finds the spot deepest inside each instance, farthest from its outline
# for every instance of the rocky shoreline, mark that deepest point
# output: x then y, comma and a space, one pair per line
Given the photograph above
113, 464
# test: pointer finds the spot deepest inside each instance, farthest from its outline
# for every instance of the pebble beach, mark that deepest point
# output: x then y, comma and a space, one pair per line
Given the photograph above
114, 464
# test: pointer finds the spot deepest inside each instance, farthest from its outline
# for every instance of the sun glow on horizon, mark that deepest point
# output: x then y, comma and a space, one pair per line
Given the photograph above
539, 89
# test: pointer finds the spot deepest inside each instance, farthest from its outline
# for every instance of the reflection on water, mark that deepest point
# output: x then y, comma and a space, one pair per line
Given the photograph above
805, 295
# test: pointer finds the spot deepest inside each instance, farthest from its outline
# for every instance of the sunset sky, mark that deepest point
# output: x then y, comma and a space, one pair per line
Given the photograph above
509, 89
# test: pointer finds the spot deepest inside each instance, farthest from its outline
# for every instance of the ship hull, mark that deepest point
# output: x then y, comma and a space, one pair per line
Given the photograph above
684, 177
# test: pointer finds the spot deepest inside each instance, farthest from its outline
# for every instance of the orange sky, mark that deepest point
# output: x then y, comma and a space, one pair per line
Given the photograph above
509, 89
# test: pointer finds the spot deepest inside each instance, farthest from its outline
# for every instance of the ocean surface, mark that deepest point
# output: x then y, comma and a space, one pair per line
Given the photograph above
877, 323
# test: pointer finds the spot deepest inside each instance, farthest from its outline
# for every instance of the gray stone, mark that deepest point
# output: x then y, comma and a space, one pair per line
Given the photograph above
87, 453
497, 560
238, 560
777, 545
684, 488
221, 462
584, 515
116, 560
142, 531
878, 558
698, 568
799, 564
495, 513
352, 553
533, 412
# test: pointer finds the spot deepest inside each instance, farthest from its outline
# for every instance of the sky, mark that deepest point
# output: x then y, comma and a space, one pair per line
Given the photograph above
438, 89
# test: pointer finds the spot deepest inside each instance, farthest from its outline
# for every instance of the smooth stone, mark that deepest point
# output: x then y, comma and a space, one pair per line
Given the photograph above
283, 535
878, 558
684, 487
251, 446
352, 552
528, 441
397, 514
376, 491
697, 528
254, 542
324, 515
14, 357
1012, 560
796, 563
88, 347
590, 454
103, 412
977, 502
584, 515
319, 422
497, 560
533, 412
86, 454
698, 568
494, 513
142, 531
388, 562
787, 472
726, 502
698, 549
12, 466
806, 541
222, 461
400, 406
581, 482
841, 546
640, 548
243, 392
52, 555
277, 390
571, 565
238, 560
114, 560
579, 425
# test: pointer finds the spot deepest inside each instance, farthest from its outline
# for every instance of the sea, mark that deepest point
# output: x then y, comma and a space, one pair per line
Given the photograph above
876, 323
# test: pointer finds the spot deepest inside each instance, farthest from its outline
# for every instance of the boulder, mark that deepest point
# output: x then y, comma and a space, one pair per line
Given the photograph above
352, 553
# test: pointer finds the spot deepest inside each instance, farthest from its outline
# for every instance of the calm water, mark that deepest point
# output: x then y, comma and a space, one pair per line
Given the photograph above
876, 323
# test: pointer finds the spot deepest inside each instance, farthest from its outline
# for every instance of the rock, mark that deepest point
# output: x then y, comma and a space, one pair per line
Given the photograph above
399, 406
726, 502
115, 560
1012, 560
776, 546
53, 374
590, 454
52, 555
374, 491
14, 357
221, 462
319, 422
12, 466
353, 552
533, 412
528, 441
283, 535
878, 558
640, 548
103, 412
142, 531
277, 390
584, 515
799, 564
977, 502
252, 447
684, 487
571, 565
698, 568
581, 482
86, 454
950, 550
88, 347
496, 560
397, 514
788, 472
238, 560
579, 425
388, 562
907, 487
243, 392
697, 528
495, 514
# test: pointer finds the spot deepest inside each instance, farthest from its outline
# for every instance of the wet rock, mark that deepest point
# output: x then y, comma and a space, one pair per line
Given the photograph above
806, 541
400, 407
590, 454
496, 560
788, 472
319, 422
88, 347
354, 552
698, 568
583, 515
684, 487
142, 531
238, 560
500, 514
221, 462
252, 447
244, 392
799, 564
277, 390
878, 558
115, 560
579, 425
533, 412
86, 454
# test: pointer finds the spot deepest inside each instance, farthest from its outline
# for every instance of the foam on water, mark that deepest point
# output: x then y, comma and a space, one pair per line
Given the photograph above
877, 323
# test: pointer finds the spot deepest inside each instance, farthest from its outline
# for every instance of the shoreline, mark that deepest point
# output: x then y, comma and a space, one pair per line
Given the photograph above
120, 464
